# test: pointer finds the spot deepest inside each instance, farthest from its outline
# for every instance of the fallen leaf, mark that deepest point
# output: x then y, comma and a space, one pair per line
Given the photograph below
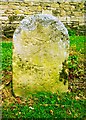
18, 100
77, 98
45, 105
51, 112
62, 106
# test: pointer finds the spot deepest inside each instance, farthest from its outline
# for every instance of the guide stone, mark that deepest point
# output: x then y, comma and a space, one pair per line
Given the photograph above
40, 46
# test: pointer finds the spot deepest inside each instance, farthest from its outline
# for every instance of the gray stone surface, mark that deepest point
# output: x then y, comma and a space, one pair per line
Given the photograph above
40, 46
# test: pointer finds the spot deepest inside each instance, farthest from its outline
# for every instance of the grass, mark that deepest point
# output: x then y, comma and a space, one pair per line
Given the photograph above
78, 43
47, 105
7, 56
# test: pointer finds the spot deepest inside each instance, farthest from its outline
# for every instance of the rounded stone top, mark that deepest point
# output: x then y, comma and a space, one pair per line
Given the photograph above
34, 30
30, 23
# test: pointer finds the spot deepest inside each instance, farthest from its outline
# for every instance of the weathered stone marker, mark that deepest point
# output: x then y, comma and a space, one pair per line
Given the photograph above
40, 46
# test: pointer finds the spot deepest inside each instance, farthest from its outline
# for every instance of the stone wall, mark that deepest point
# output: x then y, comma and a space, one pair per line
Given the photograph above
11, 13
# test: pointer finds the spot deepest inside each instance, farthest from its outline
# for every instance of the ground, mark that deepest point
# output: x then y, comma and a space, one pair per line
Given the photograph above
47, 105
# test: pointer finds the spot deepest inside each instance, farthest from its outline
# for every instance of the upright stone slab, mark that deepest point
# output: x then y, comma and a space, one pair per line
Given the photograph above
40, 46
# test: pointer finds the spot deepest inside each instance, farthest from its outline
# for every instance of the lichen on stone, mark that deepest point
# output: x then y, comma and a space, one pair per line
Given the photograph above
40, 46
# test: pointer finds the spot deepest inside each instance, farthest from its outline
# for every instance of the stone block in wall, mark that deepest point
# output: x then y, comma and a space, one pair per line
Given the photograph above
63, 12
4, 23
2, 12
9, 12
46, 4
3, 18
68, 19
81, 18
55, 5
68, 13
39, 8
67, 7
56, 12
18, 11
63, 19
8, 30
84, 17
27, 12
73, 18
3, 7
47, 12
15, 22
15, 17
74, 24
72, 7
81, 24
78, 13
